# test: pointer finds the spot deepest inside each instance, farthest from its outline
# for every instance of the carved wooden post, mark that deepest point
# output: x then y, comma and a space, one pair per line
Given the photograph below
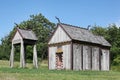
35, 62
12, 56
22, 55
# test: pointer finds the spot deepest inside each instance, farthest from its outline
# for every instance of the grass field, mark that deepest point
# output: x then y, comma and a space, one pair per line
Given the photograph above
29, 73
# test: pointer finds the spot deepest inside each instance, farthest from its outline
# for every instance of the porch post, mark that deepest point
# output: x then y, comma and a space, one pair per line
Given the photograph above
22, 55
12, 56
35, 62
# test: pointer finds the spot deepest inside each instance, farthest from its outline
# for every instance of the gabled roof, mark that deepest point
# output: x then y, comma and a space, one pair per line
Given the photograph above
27, 34
84, 35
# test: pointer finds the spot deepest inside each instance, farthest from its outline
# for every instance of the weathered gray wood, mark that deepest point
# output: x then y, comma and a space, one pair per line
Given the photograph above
22, 55
25, 53
16, 41
17, 38
52, 57
24, 38
35, 61
105, 60
27, 34
59, 36
77, 56
86, 57
66, 57
12, 56
95, 58
84, 51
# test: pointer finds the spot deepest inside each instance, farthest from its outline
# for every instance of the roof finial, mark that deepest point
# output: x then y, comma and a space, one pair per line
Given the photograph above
16, 25
88, 27
58, 19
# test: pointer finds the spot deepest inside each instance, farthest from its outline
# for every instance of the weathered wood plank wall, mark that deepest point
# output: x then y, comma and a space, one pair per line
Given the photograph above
77, 56
86, 57
52, 57
17, 38
105, 63
95, 58
66, 56
59, 36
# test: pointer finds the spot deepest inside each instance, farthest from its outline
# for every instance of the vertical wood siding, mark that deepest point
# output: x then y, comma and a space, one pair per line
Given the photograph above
77, 56
95, 58
59, 36
105, 60
66, 56
52, 57
86, 57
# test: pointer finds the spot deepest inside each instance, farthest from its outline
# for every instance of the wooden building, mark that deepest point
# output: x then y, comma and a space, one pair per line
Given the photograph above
75, 48
24, 38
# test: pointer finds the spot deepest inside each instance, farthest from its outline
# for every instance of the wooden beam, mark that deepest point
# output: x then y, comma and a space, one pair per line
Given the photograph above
35, 62
22, 55
71, 56
61, 43
12, 56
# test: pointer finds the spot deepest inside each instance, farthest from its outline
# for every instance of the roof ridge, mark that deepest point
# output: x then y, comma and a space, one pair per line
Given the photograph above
25, 29
98, 35
73, 26
27, 34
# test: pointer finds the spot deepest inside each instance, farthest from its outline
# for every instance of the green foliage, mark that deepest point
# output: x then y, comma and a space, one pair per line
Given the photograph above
112, 35
5, 48
98, 30
42, 28
117, 60
116, 68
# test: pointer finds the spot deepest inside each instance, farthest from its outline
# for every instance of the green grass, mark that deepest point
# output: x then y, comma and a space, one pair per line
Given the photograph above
29, 73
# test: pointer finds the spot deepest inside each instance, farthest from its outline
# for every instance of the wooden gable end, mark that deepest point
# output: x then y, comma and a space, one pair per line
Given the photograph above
59, 36
17, 38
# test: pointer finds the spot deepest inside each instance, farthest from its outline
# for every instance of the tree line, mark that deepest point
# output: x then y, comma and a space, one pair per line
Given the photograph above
43, 29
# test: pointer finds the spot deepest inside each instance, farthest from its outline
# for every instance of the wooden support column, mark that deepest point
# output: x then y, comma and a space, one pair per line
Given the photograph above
25, 53
22, 55
108, 60
12, 56
71, 56
35, 62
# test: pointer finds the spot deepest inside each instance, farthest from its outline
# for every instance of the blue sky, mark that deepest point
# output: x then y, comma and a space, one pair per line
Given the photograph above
76, 12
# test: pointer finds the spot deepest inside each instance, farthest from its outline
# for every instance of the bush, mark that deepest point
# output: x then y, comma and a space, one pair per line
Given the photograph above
115, 68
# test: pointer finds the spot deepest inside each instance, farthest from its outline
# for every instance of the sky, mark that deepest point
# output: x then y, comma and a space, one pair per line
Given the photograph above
75, 12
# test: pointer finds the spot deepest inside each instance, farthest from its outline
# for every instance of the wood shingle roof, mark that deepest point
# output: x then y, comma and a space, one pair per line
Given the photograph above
27, 34
84, 35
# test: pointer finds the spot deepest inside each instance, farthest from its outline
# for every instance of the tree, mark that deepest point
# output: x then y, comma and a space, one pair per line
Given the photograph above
98, 30
114, 39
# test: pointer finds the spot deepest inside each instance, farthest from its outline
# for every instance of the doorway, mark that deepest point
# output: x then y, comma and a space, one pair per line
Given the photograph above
59, 61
